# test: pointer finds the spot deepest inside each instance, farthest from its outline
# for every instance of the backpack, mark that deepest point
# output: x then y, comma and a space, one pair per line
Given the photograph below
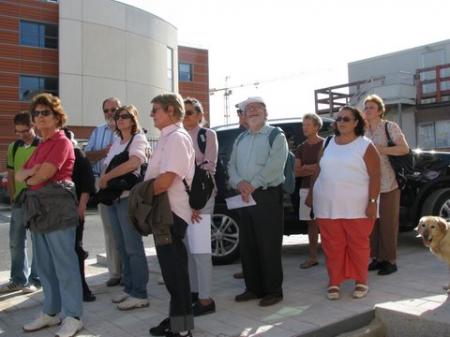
202, 184
289, 170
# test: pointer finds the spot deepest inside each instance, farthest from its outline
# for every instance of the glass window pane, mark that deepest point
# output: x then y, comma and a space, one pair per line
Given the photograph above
185, 72
426, 138
29, 33
29, 86
442, 134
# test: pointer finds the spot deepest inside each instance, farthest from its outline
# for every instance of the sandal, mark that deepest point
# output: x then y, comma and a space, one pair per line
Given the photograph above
360, 291
333, 293
308, 264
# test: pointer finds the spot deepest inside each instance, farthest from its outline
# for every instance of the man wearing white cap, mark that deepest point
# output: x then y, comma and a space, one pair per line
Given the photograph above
256, 169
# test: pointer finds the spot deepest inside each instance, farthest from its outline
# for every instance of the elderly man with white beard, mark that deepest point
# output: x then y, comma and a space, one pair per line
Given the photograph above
256, 169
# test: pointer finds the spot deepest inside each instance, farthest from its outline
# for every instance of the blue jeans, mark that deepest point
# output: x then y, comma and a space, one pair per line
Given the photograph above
131, 250
57, 264
20, 274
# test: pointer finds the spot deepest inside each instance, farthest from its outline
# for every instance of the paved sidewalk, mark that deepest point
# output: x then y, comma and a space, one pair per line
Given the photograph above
418, 283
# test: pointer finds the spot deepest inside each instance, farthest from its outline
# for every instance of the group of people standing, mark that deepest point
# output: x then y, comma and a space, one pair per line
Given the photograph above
346, 181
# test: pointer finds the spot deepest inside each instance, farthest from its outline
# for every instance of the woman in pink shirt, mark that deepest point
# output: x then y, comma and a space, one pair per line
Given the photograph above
48, 175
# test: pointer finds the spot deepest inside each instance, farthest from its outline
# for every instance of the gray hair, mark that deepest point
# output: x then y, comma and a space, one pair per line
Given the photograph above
315, 118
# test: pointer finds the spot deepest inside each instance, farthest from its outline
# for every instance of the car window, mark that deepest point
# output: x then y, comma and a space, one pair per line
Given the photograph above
293, 132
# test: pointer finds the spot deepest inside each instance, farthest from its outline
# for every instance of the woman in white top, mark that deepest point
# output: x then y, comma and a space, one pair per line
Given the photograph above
128, 241
200, 264
385, 232
344, 199
172, 162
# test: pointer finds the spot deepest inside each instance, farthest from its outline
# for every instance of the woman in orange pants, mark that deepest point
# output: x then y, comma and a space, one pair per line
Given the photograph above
344, 198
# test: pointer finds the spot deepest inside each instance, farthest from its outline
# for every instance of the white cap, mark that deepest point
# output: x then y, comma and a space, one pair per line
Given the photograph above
253, 99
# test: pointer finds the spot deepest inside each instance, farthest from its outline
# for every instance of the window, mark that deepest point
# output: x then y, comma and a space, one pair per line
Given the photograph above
185, 72
442, 131
32, 85
170, 69
37, 34
426, 137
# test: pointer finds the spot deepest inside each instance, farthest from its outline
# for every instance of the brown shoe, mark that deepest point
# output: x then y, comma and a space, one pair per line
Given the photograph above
270, 299
239, 275
246, 296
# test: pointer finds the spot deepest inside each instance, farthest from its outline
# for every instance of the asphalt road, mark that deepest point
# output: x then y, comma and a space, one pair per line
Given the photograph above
93, 239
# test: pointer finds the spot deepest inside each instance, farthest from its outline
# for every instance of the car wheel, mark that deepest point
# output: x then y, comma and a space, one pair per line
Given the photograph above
224, 239
438, 203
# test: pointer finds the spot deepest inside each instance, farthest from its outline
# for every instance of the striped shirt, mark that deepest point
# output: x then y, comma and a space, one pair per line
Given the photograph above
101, 137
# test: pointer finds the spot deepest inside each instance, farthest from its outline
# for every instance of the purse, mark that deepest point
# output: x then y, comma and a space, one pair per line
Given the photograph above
402, 165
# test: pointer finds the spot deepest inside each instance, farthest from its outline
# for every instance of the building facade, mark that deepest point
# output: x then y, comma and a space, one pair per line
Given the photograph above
415, 85
85, 51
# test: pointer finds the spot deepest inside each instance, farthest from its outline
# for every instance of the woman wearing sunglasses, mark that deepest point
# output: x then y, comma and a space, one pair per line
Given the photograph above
128, 241
344, 198
48, 175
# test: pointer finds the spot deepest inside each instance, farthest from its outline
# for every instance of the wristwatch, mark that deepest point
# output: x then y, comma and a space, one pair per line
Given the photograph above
372, 200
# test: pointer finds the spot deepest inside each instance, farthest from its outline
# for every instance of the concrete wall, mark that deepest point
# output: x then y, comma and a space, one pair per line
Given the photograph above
107, 49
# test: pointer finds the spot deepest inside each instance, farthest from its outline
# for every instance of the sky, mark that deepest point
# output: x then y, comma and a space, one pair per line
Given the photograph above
293, 47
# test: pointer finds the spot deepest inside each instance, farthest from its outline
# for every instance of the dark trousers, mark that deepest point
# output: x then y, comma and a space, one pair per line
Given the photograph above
260, 239
82, 255
174, 268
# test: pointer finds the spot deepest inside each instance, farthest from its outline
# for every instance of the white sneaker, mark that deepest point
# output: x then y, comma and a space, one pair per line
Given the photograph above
10, 287
29, 289
120, 297
133, 303
70, 327
43, 321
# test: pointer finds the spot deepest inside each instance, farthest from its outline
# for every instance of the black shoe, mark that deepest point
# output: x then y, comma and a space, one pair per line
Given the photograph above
270, 299
374, 265
194, 297
246, 296
161, 329
177, 334
113, 281
387, 268
88, 297
199, 309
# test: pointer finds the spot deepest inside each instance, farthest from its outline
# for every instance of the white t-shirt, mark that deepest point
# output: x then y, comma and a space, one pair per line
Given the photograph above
341, 190
174, 153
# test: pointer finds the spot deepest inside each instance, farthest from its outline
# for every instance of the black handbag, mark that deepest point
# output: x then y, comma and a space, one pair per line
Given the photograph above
402, 165
118, 185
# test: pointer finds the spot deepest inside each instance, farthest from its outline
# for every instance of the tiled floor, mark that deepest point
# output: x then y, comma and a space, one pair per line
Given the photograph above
416, 286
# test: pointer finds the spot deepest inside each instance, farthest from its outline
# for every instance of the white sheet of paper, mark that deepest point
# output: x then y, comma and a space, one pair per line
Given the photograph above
199, 235
237, 202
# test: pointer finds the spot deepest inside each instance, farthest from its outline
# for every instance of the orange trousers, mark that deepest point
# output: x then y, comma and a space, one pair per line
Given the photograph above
346, 245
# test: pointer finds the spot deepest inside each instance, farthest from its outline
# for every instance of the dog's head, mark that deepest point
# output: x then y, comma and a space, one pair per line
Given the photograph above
431, 228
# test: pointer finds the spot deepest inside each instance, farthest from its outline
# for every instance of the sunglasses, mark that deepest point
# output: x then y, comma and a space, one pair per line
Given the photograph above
22, 131
44, 113
344, 119
123, 116
190, 112
113, 110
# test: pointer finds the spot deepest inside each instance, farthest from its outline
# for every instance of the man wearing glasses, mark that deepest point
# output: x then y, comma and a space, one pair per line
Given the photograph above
256, 172
96, 150
18, 153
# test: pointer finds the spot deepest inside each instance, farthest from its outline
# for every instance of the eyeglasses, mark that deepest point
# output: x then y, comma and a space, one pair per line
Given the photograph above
22, 131
344, 119
44, 113
255, 107
190, 112
113, 110
123, 116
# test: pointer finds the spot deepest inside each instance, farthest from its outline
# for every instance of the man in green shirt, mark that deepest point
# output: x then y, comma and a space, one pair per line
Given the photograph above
18, 153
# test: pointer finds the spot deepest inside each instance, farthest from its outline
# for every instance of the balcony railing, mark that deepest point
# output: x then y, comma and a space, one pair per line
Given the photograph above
433, 85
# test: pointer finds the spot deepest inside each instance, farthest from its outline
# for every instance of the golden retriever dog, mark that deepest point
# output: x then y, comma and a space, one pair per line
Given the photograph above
435, 233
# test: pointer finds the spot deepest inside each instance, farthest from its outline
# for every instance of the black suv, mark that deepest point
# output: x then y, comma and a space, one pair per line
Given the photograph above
427, 191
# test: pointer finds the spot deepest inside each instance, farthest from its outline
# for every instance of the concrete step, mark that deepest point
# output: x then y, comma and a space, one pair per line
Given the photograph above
421, 317
376, 328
